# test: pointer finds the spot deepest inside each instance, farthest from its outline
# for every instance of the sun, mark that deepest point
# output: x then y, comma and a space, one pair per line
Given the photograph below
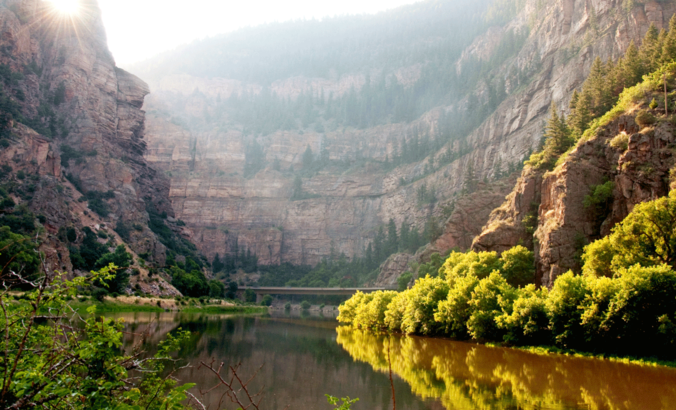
66, 6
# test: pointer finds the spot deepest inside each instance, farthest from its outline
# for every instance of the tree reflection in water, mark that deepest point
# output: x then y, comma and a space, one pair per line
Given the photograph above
469, 376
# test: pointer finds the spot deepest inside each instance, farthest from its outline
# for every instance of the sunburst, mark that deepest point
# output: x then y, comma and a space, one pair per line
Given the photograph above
66, 6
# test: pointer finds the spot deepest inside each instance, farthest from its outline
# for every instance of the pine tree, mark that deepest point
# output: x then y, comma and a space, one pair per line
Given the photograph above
404, 233
217, 265
599, 87
650, 52
669, 48
392, 238
470, 179
557, 134
580, 111
632, 69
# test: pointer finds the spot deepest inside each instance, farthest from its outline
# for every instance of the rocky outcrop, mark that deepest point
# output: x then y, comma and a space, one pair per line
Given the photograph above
639, 172
77, 101
392, 268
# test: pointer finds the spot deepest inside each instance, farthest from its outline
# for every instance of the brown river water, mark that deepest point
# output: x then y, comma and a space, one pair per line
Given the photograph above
304, 358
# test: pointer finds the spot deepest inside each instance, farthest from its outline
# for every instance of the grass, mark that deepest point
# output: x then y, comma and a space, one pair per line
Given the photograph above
109, 307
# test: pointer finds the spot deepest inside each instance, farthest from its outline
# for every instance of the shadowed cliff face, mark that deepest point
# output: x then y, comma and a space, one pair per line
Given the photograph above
79, 103
222, 208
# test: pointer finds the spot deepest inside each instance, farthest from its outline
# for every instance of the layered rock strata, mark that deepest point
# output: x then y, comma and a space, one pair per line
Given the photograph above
223, 208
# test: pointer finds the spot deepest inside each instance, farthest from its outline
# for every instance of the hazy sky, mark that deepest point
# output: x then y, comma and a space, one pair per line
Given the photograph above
139, 29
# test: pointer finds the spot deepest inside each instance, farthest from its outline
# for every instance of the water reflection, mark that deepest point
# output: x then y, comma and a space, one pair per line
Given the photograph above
301, 358
469, 376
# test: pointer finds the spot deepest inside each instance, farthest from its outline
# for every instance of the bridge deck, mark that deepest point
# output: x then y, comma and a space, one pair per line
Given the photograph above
309, 291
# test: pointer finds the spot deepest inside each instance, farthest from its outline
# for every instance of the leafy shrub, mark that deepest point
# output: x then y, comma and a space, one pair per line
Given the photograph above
216, 289
620, 142
565, 317
647, 236
599, 198
424, 297
305, 305
372, 314
644, 118
266, 301
455, 311
528, 322
490, 298
404, 280
249, 296
518, 266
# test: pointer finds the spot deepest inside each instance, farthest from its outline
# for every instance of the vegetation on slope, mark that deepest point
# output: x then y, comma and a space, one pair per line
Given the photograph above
622, 304
607, 92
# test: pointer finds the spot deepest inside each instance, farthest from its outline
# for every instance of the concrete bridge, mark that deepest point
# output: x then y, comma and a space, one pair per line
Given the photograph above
260, 291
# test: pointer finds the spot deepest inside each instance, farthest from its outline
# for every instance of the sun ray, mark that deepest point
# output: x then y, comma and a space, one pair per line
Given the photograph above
66, 6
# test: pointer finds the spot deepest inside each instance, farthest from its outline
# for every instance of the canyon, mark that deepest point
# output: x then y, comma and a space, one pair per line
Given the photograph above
224, 210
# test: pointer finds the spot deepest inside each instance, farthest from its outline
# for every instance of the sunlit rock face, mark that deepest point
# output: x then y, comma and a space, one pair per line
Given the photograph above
223, 208
640, 173
64, 67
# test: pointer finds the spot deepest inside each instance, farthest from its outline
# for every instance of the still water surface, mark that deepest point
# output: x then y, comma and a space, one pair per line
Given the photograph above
305, 358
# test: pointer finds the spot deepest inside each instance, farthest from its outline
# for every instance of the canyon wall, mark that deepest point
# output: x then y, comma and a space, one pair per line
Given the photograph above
347, 204
81, 105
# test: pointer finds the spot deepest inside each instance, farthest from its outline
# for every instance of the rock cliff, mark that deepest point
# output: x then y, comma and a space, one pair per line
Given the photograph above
638, 169
222, 208
84, 121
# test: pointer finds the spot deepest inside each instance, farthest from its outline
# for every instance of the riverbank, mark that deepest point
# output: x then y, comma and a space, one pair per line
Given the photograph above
143, 304
553, 350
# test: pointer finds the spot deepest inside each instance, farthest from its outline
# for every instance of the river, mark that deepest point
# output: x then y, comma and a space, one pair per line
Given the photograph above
304, 358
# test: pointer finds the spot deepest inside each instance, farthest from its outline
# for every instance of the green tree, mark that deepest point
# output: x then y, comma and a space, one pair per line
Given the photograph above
392, 238
454, 312
647, 236
528, 322
642, 312
216, 289
518, 266
249, 296
423, 299
121, 259
565, 316
404, 280
297, 188
631, 66
651, 50
19, 257
669, 48
580, 111
491, 297
192, 284
266, 301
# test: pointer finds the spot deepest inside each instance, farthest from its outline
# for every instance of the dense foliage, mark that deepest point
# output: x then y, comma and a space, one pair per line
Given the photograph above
624, 304
54, 359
